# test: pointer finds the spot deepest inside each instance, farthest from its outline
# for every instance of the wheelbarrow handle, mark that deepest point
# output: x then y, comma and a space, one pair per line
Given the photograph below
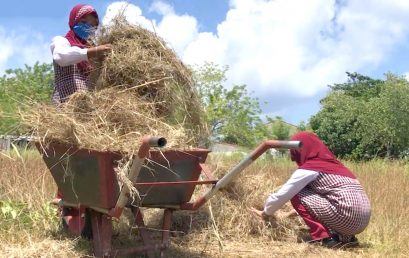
148, 142
274, 144
137, 163
229, 176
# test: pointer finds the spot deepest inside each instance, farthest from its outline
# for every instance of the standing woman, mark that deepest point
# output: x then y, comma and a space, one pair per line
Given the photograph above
72, 67
324, 193
72, 54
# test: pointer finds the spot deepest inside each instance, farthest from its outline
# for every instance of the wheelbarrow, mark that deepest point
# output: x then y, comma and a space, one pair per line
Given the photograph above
163, 179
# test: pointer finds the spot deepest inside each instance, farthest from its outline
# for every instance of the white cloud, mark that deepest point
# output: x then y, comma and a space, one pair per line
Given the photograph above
301, 46
132, 13
34, 48
178, 30
290, 48
22, 47
205, 47
162, 8
6, 49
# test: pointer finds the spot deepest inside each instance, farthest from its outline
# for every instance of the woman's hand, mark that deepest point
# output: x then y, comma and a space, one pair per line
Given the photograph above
99, 51
259, 213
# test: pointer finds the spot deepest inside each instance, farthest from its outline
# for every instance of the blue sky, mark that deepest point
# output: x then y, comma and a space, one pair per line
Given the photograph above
286, 51
36, 14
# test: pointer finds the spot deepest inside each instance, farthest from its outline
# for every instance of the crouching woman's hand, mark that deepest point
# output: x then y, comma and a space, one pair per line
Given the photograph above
260, 214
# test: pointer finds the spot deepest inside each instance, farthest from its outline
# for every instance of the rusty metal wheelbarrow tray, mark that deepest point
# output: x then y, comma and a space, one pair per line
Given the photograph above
164, 180
88, 177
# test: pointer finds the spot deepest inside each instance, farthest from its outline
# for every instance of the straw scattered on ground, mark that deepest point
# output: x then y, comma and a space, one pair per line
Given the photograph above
227, 217
27, 187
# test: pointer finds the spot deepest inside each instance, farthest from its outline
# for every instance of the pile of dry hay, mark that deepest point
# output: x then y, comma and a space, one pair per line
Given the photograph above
226, 217
103, 120
141, 88
250, 189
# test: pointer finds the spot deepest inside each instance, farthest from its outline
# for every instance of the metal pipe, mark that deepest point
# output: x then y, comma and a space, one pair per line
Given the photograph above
148, 142
239, 168
203, 182
274, 144
167, 222
162, 206
137, 163
61, 203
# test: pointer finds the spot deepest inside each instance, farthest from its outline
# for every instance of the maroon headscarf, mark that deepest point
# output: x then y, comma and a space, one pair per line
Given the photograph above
314, 155
77, 13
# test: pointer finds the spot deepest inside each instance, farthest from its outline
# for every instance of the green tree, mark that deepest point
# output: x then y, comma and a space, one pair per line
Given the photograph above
337, 123
233, 115
385, 120
303, 126
20, 86
359, 86
365, 118
279, 129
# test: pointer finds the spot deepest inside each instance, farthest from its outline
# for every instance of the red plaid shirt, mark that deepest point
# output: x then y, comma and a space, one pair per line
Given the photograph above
68, 80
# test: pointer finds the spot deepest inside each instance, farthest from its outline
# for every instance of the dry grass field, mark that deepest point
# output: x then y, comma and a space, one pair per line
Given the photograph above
222, 228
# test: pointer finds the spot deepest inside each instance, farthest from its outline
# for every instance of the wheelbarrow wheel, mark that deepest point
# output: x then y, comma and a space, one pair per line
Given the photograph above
86, 231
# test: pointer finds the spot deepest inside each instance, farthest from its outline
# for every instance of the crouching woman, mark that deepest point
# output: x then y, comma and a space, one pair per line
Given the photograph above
325, 193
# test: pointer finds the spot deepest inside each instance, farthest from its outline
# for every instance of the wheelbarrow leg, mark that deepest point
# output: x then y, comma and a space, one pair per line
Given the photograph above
102, 234
146, 237
167, 221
